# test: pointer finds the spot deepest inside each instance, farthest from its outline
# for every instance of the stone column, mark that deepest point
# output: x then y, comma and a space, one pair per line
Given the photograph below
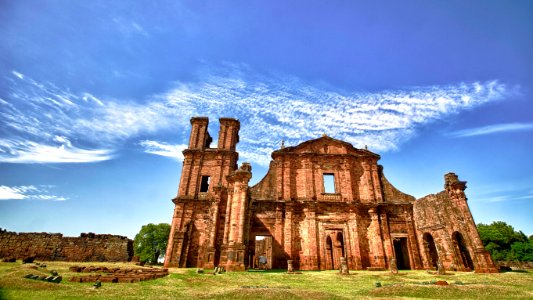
176, 236
280, 166
312, 253
290, 269
375, 242
387, 241
378, 194
366, 185
209, 259
234, 248
287, 232
344, 267
393, 267
413, 245
355, 250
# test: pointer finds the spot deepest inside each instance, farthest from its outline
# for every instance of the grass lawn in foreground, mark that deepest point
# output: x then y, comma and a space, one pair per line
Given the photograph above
187, 284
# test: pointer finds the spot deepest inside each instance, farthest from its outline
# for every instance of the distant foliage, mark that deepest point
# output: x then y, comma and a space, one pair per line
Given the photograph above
151, 242
504, 243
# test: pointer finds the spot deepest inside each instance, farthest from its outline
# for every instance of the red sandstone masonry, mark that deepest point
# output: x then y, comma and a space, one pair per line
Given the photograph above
54, 246
117, 275
366, 219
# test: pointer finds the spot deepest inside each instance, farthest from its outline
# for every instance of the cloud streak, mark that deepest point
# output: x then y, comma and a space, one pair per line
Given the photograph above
164, 149
275, 107
271, 107
32, 152
28, 192
41, 123
492, 129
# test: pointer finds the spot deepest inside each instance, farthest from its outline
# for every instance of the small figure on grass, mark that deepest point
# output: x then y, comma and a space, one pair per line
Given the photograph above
262, 262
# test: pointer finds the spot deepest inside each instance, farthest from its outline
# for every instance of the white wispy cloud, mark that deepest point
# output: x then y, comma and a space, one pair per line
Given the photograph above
491, 129
28, 192
32, 152
515, 196
277, 107
41, 123
271, 108
164, 149
516, 190
129, 28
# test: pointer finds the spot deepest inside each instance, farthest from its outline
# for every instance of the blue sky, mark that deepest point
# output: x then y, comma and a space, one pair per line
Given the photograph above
96, 97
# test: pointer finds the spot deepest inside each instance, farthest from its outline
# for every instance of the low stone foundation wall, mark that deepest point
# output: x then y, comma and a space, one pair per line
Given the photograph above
54, 246
117, 275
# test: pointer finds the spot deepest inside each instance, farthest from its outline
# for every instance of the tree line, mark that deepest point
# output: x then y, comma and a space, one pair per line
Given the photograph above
505, 243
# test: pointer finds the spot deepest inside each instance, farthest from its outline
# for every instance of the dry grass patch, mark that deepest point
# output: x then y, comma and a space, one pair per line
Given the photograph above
187, 284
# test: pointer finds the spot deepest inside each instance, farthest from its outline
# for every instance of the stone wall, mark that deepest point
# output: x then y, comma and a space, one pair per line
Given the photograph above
54, 246
447, 232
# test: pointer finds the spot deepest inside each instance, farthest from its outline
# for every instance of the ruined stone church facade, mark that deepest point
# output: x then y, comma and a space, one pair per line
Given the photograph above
320, 200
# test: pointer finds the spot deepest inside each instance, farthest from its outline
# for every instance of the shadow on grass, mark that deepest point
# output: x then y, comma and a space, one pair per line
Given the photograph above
514, 271
267, 271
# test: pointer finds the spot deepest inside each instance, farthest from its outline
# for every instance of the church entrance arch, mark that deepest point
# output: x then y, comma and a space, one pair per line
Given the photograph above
334, 249
462, 251
431, 250
329, 254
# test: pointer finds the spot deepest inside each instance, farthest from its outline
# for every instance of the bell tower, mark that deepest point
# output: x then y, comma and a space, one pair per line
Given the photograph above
202, 195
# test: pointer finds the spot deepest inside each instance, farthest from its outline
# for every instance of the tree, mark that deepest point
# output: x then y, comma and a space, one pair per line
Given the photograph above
504, 243
151, 242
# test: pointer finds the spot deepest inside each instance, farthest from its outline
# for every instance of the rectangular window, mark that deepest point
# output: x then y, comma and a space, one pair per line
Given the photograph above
204, 185
329, 183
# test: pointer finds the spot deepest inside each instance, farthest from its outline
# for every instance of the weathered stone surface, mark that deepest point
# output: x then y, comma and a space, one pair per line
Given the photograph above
290, 268
344, 267
118, 275
46, 246
447, 232
393, 267
440, 268
218, 217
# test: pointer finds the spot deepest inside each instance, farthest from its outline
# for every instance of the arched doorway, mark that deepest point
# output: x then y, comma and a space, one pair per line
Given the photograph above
431, 250
334, 249
339, 250
330, 262
462, 251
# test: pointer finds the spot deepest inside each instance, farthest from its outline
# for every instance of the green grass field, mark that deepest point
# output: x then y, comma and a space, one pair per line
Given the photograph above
186, 284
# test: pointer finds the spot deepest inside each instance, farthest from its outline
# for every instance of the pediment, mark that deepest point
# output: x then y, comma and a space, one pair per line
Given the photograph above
323, 145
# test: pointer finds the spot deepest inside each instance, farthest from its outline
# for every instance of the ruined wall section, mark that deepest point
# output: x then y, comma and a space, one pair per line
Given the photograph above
444, 219
54, 246
390, 192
